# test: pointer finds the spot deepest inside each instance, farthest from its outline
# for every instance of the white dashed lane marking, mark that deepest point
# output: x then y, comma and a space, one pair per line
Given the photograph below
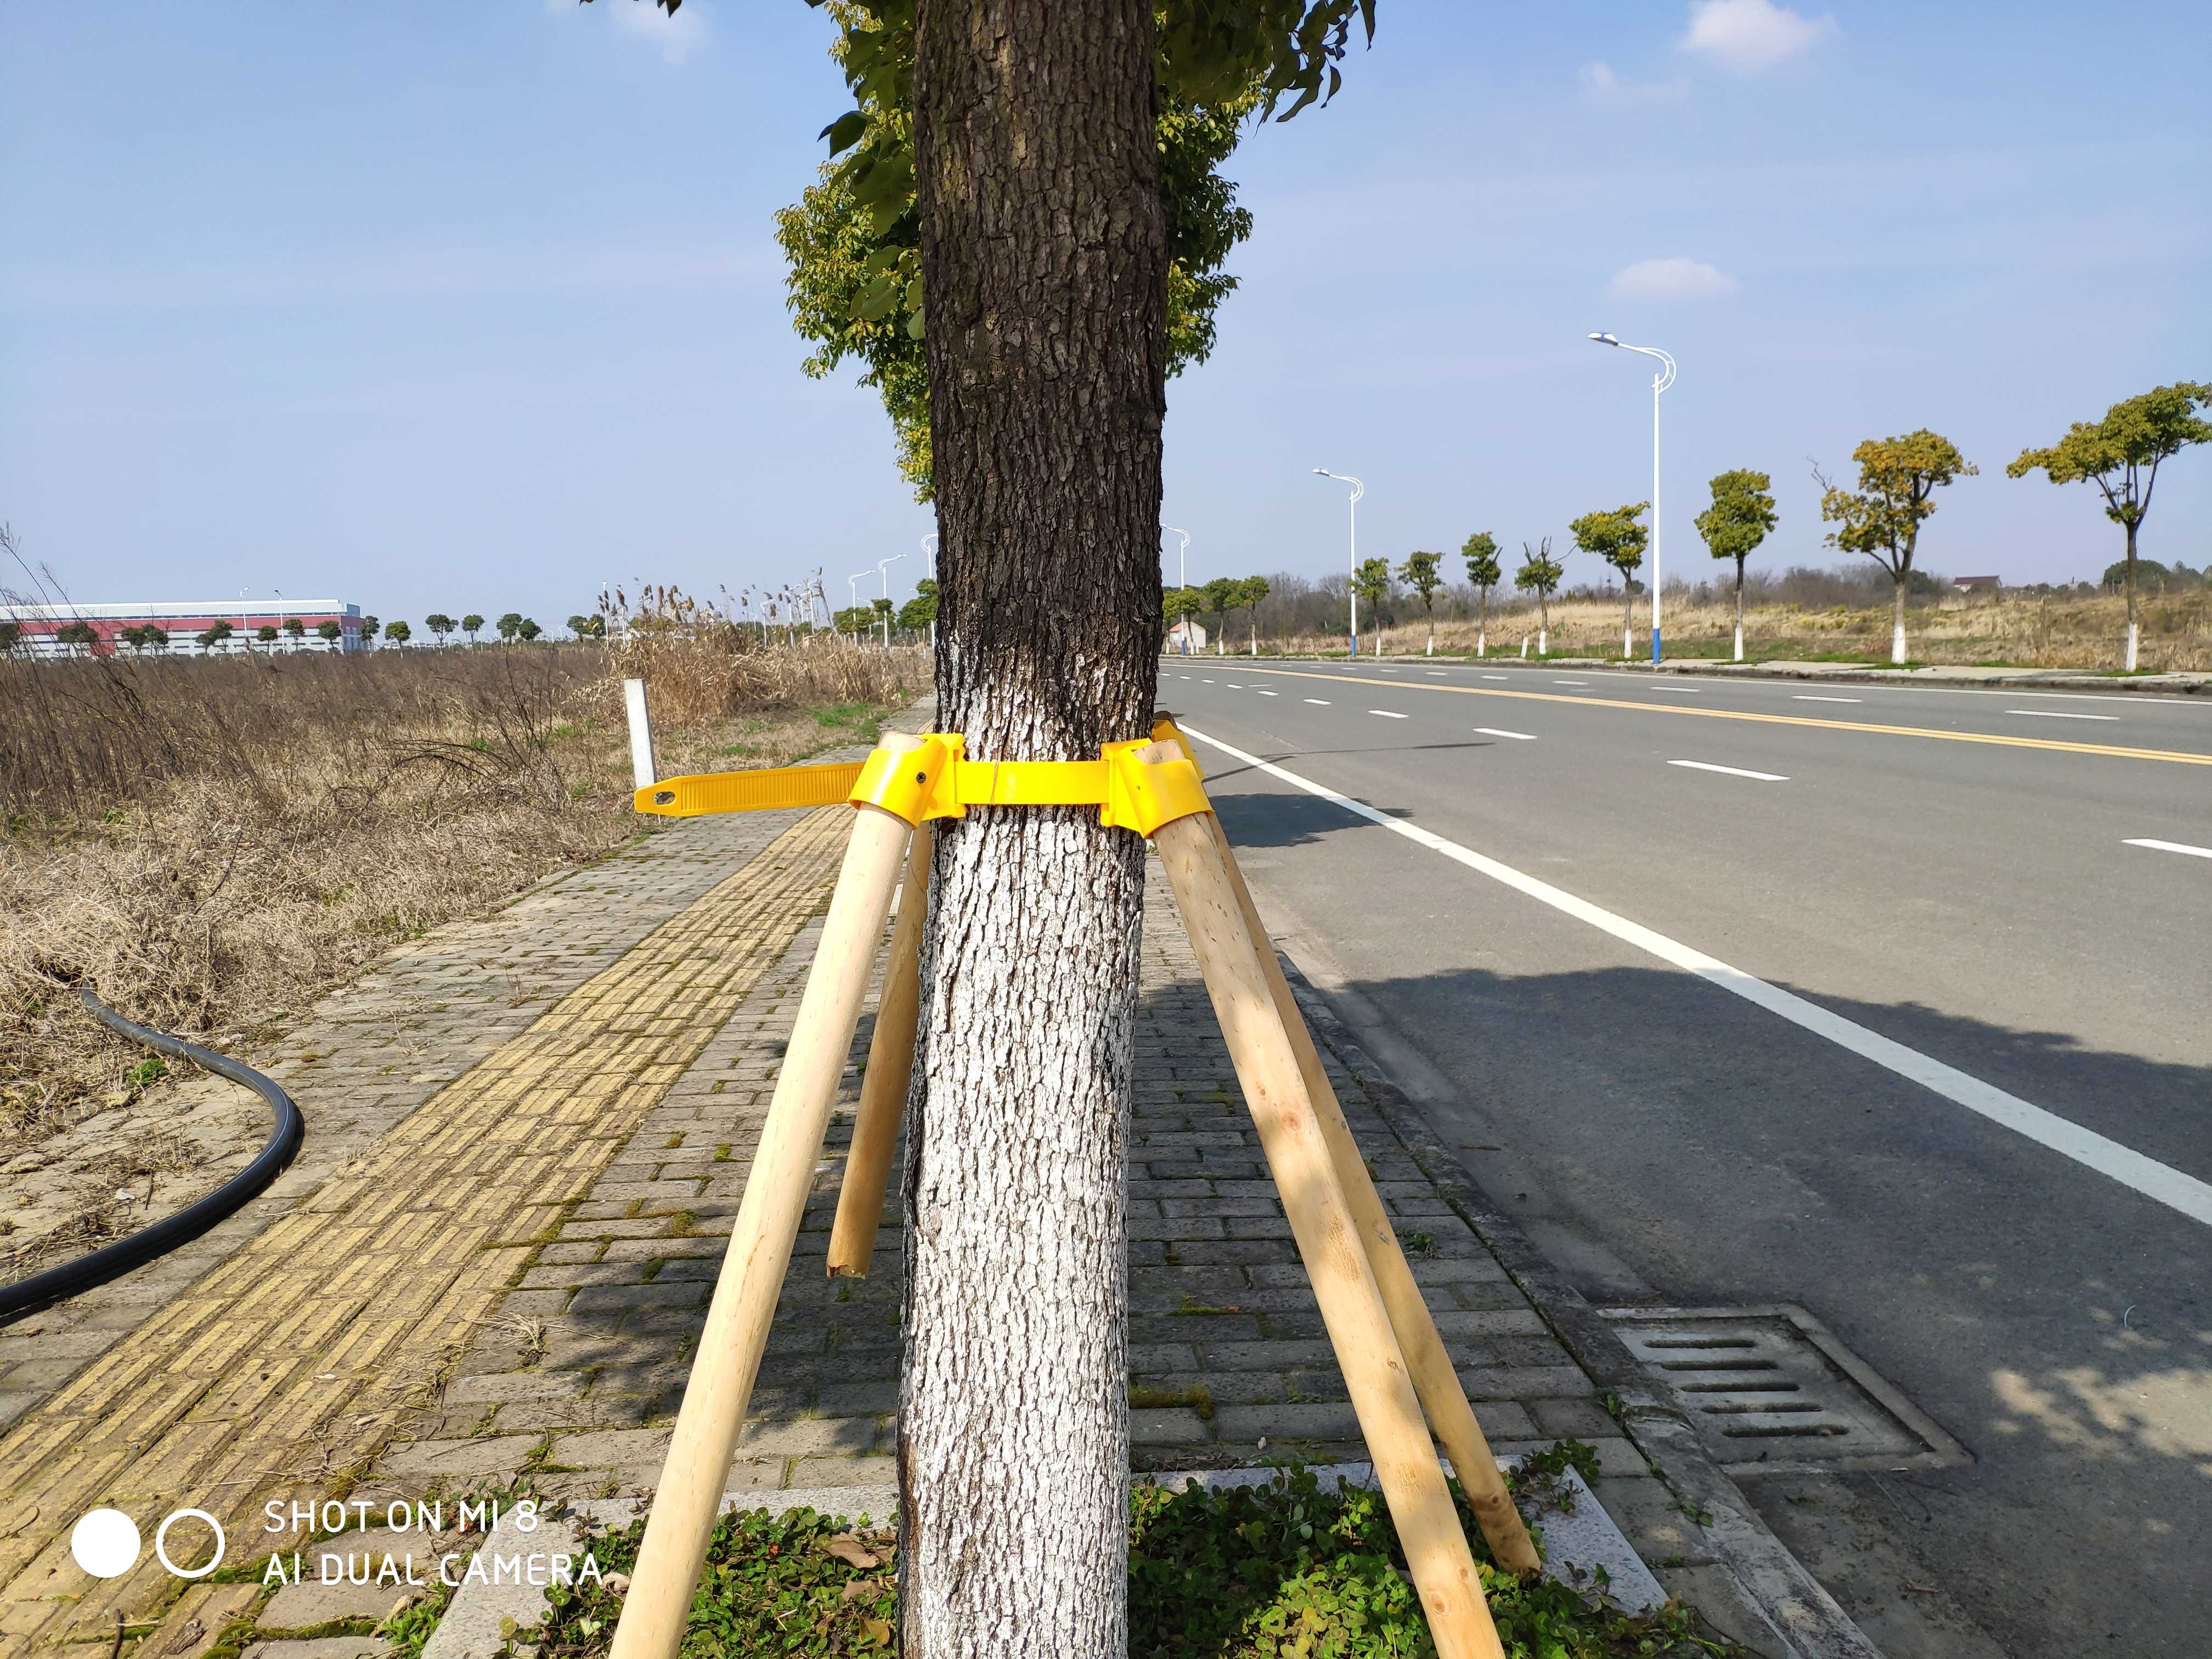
1731, 771
1497, 732
2181, 847
1385, 714
2059, 715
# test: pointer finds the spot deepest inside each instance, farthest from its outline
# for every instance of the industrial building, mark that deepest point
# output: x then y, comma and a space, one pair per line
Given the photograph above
102, 630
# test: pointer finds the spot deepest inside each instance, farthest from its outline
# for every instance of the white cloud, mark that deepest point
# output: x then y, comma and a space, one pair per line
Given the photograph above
678, 36
1672, 279
1601, 84
1750, 35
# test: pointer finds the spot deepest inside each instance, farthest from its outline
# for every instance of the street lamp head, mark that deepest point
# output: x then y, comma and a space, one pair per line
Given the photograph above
1605, 339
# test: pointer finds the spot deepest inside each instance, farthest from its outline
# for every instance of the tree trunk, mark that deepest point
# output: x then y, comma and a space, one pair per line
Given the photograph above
1543, 624
2133, 636
1627, 617
1431, 650
1739, 610
1045, 258
1897, 617
1482, 629
1255, 632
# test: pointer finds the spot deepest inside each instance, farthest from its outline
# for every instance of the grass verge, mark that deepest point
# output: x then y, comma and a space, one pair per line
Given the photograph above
1276, 1571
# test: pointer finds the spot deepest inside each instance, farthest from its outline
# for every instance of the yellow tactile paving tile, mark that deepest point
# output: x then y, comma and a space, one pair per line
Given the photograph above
291, 1363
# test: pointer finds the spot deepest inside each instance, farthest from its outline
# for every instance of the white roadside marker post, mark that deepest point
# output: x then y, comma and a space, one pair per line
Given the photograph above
641, 768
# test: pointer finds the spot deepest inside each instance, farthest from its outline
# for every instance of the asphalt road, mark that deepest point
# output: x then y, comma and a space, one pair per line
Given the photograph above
1950, 871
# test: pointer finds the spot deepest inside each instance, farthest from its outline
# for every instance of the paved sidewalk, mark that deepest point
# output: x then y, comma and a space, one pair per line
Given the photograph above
285, 1370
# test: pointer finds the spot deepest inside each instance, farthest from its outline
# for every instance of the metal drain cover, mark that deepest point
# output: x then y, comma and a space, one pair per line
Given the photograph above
1771, 1391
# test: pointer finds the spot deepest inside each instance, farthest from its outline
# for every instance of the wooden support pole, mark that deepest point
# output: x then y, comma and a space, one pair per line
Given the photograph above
1434, 1377
1328, 1238
890, 1069
690, 1495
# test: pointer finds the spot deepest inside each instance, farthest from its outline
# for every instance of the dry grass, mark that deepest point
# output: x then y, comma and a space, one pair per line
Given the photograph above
2024, 631
212, 844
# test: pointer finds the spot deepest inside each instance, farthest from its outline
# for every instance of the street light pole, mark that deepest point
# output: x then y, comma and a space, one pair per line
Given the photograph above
1659, 382
929, 553
884, 570
1358, 491
1183, 579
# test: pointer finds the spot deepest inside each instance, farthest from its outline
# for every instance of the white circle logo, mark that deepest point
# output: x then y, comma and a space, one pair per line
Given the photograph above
105, 1543
161, 1538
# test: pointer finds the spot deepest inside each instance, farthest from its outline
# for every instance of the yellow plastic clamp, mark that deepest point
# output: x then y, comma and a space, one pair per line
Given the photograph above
936, 780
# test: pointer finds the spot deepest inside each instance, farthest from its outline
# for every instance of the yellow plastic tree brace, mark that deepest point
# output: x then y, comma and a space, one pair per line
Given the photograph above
938, 781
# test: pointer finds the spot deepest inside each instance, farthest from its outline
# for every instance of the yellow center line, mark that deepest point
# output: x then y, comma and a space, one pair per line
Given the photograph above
2175, 757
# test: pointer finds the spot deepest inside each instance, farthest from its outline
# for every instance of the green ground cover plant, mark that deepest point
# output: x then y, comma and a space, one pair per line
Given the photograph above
1254, 1572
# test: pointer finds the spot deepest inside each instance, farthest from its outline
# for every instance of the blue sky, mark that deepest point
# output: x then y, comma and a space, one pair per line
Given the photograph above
473, 307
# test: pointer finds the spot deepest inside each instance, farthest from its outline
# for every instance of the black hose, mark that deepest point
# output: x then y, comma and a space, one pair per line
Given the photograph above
113, 1261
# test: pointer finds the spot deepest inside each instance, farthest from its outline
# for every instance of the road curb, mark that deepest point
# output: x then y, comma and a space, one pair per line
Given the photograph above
1803, 1617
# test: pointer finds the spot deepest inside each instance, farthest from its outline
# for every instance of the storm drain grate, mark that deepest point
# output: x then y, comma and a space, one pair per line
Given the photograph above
1772, 1391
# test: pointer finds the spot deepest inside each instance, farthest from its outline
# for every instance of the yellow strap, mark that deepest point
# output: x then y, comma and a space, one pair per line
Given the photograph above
749, 791
937, 780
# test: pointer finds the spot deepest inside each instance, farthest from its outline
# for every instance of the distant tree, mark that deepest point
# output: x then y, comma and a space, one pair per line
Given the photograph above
1483, 570
919, 613
1181, 604
1615, 536
1249, 593
469, 625
11, 638
370, 627
2115, 579
1539, 574
78, 635
1735, 524
2120, 454
855, 620
529, 629
398, 632
510, 626
213, 635
1373, 582
1898, 479
580, 627
266, 633
296, 628
330, 632
155, 636
1423, 574
441, 624
1220, 599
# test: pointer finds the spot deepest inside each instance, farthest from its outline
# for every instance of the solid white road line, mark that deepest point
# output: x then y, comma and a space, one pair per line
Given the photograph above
1806, 696
1323, 701
1732, 771
1496, 731
2059, 715
2153, 1180
1385, 714
2172, 846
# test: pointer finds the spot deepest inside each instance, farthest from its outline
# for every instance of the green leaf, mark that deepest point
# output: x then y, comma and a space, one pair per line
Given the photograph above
845, 131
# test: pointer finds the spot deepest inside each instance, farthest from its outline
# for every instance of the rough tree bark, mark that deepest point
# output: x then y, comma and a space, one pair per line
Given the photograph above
1044, 265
